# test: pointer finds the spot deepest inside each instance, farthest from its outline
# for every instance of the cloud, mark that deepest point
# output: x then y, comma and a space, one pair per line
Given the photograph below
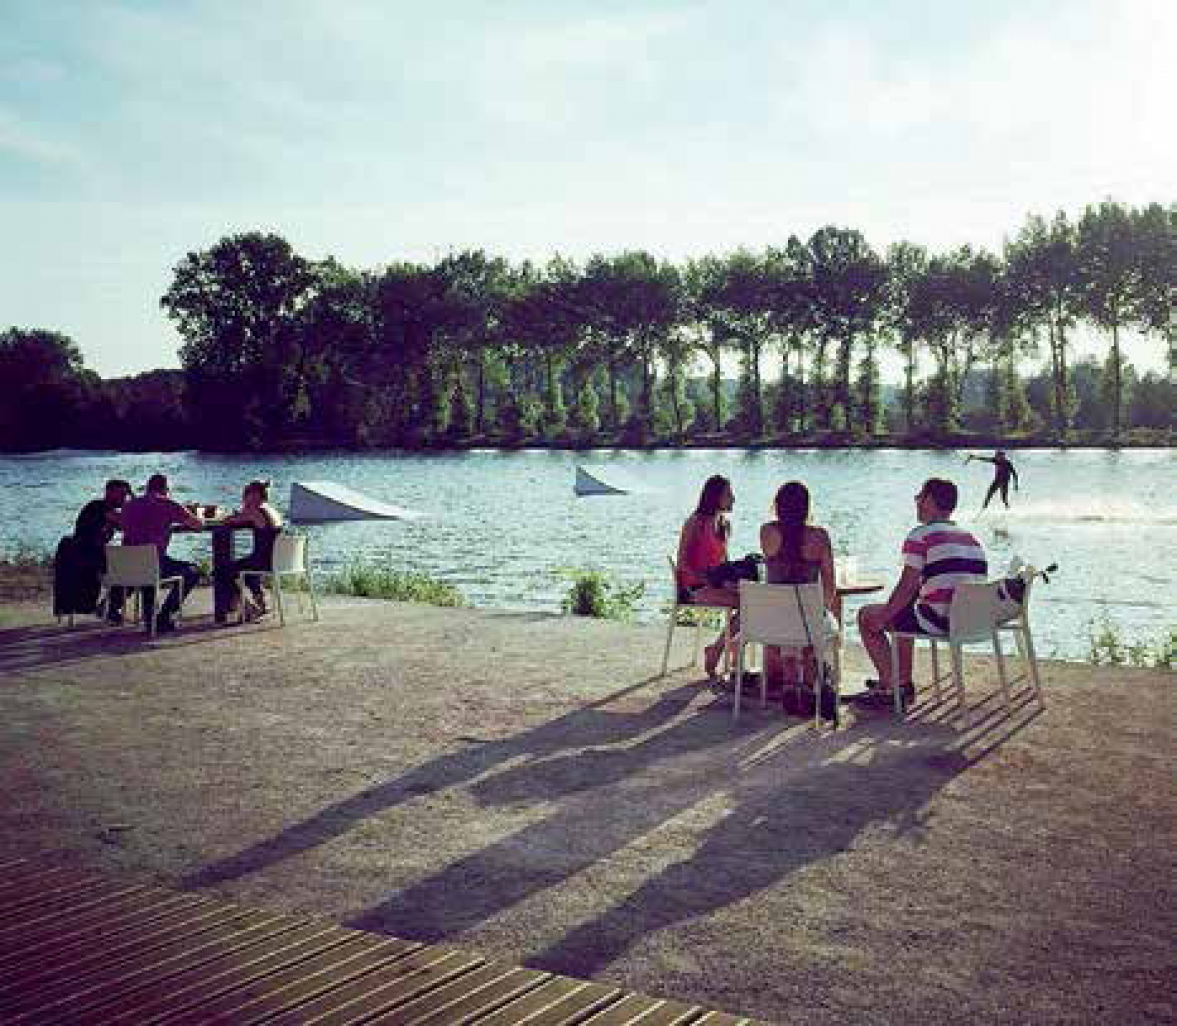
25, 142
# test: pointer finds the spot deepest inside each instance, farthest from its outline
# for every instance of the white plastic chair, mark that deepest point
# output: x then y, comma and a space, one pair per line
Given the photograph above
789, 616
727, 623
289, 560
136, 567
978, 615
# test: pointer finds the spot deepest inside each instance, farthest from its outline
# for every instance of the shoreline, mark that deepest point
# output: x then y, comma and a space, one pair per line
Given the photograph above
783, 444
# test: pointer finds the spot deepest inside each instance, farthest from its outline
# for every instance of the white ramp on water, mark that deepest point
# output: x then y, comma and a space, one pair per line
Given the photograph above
605, 481
324, 502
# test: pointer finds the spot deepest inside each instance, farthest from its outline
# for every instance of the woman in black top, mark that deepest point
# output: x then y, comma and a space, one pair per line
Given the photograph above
796, 552
255, 512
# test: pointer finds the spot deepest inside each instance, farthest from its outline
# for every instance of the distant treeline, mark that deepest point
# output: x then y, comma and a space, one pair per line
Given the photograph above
280, 351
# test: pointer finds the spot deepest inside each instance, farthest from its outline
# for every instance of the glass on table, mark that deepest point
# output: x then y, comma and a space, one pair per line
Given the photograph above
847, 570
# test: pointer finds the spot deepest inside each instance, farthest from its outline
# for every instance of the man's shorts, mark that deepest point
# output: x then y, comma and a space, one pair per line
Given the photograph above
905, 621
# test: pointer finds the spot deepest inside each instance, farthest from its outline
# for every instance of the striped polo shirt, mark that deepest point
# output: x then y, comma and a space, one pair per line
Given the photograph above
945, 555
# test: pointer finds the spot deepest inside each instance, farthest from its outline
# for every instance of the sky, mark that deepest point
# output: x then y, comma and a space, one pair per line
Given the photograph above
134, 132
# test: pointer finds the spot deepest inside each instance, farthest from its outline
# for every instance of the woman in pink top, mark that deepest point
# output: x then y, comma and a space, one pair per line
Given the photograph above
702, 544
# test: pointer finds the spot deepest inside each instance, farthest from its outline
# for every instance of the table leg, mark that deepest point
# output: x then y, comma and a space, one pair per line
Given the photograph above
222, 592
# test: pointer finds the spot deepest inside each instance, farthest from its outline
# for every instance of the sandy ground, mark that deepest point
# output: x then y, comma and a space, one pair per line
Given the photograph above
526, 785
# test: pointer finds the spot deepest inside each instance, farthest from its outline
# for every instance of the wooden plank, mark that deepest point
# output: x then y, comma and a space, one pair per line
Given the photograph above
723, 1019
16, 928
110, 983
139, 905
60, 893
35, 879
95, 925
475, 993
69, 971
74, 948
277, 991
638, 1010
560, 1000
416, 973
162, 1000
24, 867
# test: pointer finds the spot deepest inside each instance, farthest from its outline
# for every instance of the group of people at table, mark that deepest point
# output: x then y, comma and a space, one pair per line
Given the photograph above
937, 555
150, 518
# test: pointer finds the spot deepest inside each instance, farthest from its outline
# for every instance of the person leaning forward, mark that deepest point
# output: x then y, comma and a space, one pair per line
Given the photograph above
93, 531
149, 520
937, 556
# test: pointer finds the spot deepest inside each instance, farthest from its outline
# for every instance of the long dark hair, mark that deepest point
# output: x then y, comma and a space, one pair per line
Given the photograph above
792, 513
711, 502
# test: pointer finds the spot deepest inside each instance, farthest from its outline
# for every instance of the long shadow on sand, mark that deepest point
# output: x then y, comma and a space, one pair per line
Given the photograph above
833, 788
41, 646
591, 725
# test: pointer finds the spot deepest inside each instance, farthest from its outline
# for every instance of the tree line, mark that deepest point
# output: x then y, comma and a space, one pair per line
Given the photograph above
279, 350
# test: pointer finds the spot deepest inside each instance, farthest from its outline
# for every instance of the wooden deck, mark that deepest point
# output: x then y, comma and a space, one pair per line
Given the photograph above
76, 947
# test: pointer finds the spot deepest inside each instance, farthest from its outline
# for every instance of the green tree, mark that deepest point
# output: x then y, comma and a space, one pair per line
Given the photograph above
412, 307
906, 265
42, 389
1109, 281
476, 288
1045, 283
850, 290
704, 327
633, 303
1155, 250
236, 306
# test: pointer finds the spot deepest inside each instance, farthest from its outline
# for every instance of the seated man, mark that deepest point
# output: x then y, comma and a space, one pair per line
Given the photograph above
149, 520
937, 556
94, 530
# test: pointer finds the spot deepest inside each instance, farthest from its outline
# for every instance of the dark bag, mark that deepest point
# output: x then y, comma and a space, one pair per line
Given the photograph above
731, 573
77, 578
800, 699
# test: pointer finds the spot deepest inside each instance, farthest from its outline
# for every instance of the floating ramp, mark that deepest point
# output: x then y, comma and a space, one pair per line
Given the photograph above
324, 502
592, 481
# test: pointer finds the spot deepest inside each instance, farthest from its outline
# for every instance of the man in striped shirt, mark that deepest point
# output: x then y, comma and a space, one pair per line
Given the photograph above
937, 556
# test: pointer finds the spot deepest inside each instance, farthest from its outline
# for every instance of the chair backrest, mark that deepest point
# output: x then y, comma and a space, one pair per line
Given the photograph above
290, 550
132, 564
977, 608
782, 614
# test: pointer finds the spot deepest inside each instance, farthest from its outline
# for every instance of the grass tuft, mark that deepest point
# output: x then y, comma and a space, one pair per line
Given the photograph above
593, 594
366, 581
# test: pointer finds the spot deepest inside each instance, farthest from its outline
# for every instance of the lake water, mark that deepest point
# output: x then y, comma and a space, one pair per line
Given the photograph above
506, 527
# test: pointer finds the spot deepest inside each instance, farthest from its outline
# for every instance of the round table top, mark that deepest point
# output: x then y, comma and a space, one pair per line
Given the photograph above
860, 587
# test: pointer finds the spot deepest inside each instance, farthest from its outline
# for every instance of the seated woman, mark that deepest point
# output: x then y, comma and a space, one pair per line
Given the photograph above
797, 553
702, 545
255, 512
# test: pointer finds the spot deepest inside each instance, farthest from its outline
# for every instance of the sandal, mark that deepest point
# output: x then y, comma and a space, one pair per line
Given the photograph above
711, 657
876, 694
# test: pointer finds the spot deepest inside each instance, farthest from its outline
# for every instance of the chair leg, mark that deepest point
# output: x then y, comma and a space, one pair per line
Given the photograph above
936, 670
1031, 660
739, 681
276, 584
727, 641
958, 677
311, 596
896, 687
763, 678
1002, 676
669, 639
